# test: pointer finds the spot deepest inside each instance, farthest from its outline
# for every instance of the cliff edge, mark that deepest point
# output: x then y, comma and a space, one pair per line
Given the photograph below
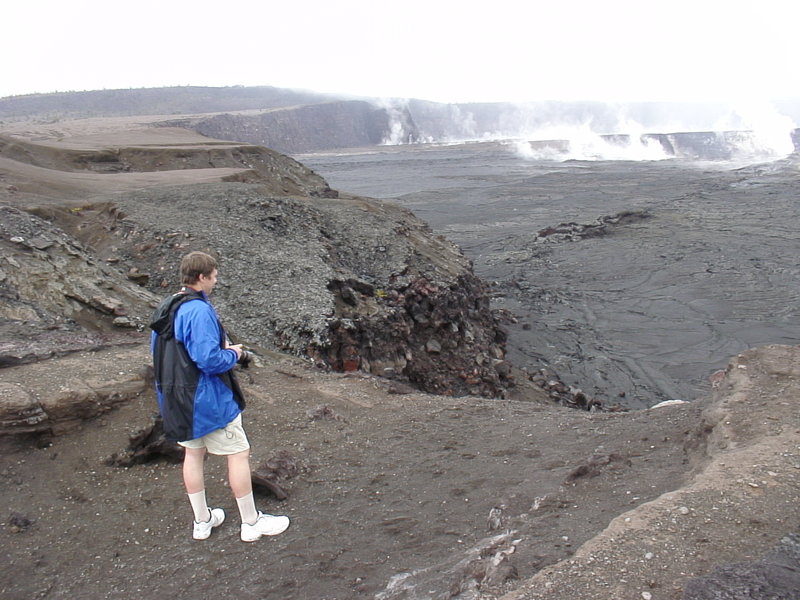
94, 226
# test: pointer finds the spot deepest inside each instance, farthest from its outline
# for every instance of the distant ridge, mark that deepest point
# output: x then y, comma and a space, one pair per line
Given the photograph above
153, 101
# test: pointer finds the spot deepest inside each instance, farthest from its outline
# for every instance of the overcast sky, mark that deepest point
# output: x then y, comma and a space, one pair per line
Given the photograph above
449, 51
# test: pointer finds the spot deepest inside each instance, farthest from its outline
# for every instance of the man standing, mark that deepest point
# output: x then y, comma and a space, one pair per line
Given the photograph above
201, 402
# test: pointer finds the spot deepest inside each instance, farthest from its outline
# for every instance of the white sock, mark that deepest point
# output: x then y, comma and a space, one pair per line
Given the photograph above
199, 506
247, 509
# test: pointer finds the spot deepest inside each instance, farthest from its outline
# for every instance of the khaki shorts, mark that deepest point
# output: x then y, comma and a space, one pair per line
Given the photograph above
231, 439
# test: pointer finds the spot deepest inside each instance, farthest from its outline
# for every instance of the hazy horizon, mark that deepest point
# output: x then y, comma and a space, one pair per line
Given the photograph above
615, 51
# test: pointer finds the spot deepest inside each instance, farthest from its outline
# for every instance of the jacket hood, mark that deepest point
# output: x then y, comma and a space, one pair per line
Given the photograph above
161, 321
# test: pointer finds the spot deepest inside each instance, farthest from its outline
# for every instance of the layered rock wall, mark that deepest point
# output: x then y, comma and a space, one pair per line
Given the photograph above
55, 297
325, 126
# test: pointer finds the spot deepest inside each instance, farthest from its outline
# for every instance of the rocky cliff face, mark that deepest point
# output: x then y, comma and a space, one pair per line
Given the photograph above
348, 282
346, 124
55, 297
91, 239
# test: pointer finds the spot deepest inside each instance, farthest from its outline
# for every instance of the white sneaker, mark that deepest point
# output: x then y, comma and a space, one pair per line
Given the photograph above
264, 525
203, 530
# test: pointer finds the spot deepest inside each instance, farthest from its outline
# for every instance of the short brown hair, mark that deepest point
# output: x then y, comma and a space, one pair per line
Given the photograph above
195, 264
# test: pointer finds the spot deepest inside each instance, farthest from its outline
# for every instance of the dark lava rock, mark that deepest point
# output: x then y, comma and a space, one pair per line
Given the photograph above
147, 445
272, 475
775, 577
18, 522
600, 227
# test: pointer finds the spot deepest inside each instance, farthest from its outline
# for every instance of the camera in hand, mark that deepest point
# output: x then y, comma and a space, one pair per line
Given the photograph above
245, 358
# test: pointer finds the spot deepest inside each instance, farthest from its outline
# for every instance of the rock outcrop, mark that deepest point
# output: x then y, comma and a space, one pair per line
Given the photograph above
55, 297
52, 397
600, 227
350, 283
94, 228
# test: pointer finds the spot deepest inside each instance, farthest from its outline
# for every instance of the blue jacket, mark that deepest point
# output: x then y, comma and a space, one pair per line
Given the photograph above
197, 391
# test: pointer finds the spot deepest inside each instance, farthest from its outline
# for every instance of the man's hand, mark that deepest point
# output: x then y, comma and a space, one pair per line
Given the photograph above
236, 348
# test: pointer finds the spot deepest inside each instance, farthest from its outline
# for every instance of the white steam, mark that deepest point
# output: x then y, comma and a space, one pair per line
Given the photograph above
396, 110
750, 132
580, 142
770, 132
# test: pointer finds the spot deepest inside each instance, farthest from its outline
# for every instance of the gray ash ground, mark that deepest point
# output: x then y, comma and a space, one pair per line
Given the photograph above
385, 484
642, 313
